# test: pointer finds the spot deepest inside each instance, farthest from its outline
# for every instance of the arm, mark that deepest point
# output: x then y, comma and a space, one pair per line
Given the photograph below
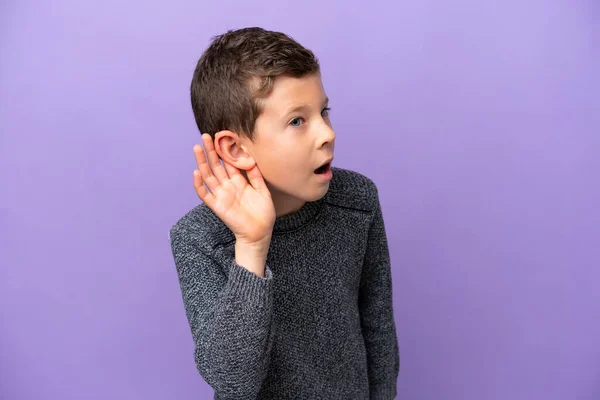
377, 317
230, 318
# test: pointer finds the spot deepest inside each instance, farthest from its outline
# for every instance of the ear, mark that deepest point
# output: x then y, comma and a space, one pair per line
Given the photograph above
232, 149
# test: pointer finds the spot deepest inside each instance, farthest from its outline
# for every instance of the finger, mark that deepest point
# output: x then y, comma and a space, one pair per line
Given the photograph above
213, 158
201, 190
256, 179
206, 173
199, 154
231, 170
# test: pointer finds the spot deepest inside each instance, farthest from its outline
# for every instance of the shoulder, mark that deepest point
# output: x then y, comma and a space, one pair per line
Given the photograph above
200, 227
351, 189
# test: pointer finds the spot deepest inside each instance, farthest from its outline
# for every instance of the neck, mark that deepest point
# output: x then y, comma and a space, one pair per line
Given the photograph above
285, 204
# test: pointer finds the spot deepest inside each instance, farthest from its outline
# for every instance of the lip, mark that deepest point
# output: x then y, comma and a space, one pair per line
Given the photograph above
328, 175
328, 161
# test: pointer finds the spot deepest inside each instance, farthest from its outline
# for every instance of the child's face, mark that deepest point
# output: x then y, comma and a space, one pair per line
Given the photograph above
293, 138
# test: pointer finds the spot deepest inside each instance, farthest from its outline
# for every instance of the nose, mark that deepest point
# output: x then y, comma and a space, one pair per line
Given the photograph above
326, 136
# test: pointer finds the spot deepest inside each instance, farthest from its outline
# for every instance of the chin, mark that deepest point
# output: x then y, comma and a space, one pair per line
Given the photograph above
318, 194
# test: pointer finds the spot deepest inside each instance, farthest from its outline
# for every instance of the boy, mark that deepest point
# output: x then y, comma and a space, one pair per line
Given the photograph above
284, 268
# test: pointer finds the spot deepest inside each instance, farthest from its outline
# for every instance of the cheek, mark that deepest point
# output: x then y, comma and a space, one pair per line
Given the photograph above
283, 158
271, 162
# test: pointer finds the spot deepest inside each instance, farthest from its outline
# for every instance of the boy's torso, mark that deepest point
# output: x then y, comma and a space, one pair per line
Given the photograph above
316, 258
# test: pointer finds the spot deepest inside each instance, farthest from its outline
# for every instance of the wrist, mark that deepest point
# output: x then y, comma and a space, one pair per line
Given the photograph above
252, 256
259, 247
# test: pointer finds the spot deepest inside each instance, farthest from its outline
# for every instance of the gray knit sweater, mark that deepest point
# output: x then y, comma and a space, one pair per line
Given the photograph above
318, 325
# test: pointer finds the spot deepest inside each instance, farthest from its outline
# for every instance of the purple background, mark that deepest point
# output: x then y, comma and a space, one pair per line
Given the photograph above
478, 120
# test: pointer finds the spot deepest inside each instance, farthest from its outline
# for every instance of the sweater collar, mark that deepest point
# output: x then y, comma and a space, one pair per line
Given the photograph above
299, 218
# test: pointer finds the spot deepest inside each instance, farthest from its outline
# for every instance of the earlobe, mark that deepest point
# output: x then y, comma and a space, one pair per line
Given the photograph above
230, 148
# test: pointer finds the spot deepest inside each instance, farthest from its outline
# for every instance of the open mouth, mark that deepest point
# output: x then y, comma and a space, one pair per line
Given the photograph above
323, 169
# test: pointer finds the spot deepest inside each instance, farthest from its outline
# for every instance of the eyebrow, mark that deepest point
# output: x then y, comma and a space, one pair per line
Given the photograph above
304, 107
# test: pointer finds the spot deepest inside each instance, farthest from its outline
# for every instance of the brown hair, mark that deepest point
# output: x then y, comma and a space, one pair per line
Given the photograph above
237, 70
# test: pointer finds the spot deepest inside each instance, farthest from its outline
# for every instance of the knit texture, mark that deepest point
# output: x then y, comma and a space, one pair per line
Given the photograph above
318, 325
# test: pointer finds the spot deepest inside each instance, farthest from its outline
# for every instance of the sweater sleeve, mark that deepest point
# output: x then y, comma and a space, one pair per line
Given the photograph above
230, 319
376, 312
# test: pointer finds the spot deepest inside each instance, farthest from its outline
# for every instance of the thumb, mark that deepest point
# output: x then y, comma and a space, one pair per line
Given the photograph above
256, 179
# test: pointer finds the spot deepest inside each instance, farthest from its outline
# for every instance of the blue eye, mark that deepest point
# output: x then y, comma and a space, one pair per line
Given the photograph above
296, 122
325, 112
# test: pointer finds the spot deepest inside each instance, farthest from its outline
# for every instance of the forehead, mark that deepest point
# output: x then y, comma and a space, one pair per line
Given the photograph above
289, 93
